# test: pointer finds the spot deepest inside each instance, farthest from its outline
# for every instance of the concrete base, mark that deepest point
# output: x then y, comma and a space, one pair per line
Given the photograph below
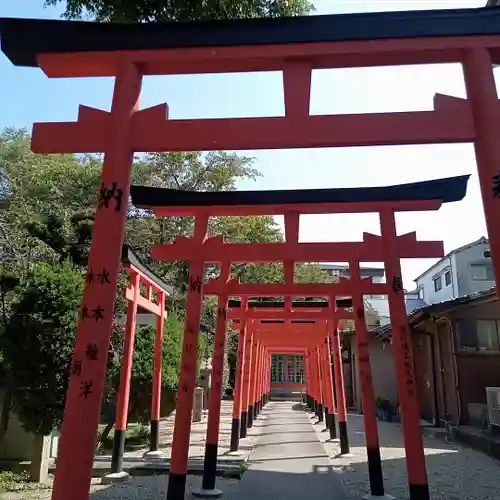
154, 455
115, 477
238, 453
201, 493
345, 455
383, 497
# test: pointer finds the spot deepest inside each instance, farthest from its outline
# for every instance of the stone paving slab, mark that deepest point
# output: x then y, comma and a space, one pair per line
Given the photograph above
289, 461
228, 464
454, 472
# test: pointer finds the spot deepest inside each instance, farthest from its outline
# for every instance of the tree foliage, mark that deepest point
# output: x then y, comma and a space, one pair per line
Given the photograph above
42, 198
141, 383
180, 10
38, 344
47, 206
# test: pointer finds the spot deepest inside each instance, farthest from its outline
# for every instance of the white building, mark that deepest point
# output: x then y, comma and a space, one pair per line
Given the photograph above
373, 303
464, 271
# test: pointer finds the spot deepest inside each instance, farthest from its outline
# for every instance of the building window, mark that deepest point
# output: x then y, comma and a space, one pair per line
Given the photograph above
300, 371
287, 369
290, 371
421, 293
447, 278
482, 272
481, 335
438, 284
277, 369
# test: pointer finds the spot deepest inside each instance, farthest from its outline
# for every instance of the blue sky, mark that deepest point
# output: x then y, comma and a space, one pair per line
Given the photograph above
28, 96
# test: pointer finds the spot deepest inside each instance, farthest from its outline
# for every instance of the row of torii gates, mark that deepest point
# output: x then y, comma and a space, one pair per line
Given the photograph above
307, 327
295, 47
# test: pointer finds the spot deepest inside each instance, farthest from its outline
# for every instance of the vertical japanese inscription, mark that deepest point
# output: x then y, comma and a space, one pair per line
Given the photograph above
91, 352
195, 285
96, 313
407, 363
397, 284
86, 388
113, 193
76, 368
495, 186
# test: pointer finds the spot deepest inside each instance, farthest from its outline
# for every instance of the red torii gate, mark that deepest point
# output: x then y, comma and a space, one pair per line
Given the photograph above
309, 311
318, 366
139, 274
388, 248
294, 46
305, 312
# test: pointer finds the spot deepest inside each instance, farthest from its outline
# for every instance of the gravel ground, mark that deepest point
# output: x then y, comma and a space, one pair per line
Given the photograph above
455, 472
198, 436
138, 488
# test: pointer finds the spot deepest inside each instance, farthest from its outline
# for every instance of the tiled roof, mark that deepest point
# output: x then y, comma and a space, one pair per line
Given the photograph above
382, 332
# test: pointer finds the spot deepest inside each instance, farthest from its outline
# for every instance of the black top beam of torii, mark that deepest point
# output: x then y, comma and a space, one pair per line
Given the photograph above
447, 190
23, 39
129, 257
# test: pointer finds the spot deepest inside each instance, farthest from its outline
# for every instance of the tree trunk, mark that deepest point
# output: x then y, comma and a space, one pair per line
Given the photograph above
105, 433
5, 416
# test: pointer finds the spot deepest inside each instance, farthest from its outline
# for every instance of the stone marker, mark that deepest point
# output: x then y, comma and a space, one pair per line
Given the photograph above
197, 404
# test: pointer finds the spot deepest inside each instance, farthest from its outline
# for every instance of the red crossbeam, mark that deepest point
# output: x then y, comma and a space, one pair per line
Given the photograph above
318, 314
151, 131
371, 249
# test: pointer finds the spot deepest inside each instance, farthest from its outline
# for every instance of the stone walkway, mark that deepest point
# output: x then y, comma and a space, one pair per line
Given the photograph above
455, 472
227, 464
289, 461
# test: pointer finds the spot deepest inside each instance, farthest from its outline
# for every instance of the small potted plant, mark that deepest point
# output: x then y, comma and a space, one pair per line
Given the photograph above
384, 409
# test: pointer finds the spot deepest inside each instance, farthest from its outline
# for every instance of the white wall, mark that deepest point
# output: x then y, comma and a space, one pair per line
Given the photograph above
462, 282
380, 304
472, 255
143, 319
426, 281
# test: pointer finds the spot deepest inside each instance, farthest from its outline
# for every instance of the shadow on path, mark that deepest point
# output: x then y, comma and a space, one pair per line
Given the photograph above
290, 463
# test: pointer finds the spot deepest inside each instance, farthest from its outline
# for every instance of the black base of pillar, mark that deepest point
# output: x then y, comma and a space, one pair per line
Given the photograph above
332, 425
327, 419
375, 472
243, 424
154, 437
255, 410
209, 466
313, 406
419, 491
118, 450
320, 413
176, 486
250, 417
344, 440
319, 410
235, 435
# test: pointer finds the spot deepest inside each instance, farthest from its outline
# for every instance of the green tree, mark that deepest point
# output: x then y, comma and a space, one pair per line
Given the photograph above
180, 10
38, 344
142, 368
44, 203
